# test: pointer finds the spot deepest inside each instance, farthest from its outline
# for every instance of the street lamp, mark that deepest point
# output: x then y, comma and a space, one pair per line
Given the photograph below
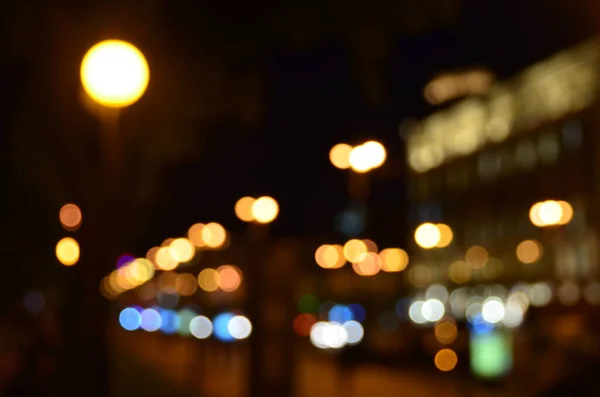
114, 73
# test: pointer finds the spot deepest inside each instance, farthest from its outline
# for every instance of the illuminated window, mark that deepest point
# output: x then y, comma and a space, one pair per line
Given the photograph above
526, 155
548, 147
572, 135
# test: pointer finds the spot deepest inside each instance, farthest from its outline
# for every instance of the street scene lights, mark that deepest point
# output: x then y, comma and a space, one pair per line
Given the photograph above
114, 73
361, 159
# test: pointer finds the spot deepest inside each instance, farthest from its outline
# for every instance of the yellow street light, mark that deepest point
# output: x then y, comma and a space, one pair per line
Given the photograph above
265, 209
427, 235
339, 155
114, 73
243, 209
67, 251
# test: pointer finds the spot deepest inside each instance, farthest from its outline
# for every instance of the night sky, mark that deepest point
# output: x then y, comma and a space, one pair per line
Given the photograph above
263, 92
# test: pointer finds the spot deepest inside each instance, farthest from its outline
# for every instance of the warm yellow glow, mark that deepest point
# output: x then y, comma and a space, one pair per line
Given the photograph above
427, 235
445, 360
460, 272
359, 162
214, 235
446, 235
477, 257
265, 209
139, 271
208, 280
182, 249
114, 73
339, 155
354, 250
243, 209
195, 235
375, 152
330, 256
185, 284
165, 258
67, 251
550, 213
369, 265
70, 217
529, 251
393, 259
230, 278
367, 156
151, 255
567, 212
371, 245
446, 332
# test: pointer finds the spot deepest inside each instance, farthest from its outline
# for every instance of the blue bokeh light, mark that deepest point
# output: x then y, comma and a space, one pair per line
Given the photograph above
151, 320
130, 319
358, 312
221, 327
169, 321
479, 326
340, 314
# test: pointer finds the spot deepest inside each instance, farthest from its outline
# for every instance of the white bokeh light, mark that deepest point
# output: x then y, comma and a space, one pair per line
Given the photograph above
415, 312
433, 310
493, 310
239, 327
201, 327
355, 332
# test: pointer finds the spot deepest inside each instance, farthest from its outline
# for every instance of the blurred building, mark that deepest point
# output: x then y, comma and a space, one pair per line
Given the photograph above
479, 166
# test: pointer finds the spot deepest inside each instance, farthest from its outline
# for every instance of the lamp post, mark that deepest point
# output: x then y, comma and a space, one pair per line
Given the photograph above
269, 373
114, 74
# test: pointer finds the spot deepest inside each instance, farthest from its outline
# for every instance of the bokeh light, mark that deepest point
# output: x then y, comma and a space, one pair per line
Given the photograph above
339, 155
67, 251
214, 235
165, 259
185, 319
393, 259
243, 209
201, 327
340, 314
195, 235
221, 327
368, 266
130, 319
476, 257
427, 235
446, 360
529, 251
355, 332
114, 73
433, 310
150, 320
70, 217
229, 278
354, 250
182, 249
446, 235
239, 327
446, 332
186, 284
493, 310
169, 321
208, 280
303, 323
330, 256
265, 209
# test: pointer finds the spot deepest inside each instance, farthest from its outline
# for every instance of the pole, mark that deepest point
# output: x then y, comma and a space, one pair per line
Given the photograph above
84, 367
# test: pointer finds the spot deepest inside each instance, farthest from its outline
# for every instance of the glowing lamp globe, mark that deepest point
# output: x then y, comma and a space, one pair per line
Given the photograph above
114, 73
